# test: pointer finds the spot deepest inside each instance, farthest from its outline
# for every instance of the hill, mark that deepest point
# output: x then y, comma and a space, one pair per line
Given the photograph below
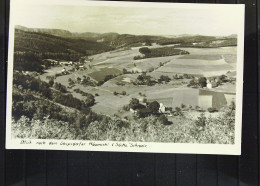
26, 41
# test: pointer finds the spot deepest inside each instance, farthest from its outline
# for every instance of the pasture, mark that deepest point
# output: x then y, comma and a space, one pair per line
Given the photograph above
100, 74
202, 61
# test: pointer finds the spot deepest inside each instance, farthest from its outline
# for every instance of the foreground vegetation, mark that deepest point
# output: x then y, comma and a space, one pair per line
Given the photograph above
183, 130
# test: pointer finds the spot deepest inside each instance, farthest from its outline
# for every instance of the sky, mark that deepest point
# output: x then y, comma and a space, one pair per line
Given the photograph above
142, 20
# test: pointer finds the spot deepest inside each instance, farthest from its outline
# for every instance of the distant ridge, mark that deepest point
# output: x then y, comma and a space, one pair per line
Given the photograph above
65, 33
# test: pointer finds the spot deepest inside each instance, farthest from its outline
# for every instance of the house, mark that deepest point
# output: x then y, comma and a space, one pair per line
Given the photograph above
66, 63
100, 40
211, 84
162, 108
136, 70
133, 111
51, 61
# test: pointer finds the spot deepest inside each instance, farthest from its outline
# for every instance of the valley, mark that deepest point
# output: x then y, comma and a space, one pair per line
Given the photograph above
92, 80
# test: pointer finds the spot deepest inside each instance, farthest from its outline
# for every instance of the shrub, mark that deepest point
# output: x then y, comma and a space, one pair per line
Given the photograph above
134, 103
201, 120
178, 111
154, 107
212, 109
163, 119
144, 112
60, 87
145, 50
125, 71
90, 100
126, 107
202, 82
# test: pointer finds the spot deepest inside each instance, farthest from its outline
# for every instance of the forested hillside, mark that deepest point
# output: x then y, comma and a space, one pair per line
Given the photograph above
31, 47
46, 43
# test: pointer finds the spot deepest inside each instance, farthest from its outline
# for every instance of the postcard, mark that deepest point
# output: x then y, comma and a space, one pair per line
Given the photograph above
125, 76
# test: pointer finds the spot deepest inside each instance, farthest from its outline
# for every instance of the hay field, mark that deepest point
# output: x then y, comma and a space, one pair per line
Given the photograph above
203, 62
100, 74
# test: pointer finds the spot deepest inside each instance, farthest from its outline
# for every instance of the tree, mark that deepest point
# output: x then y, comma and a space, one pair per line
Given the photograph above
145, 50
140, 77
201, 120
124, 71
178, 111
163, 119
165, 78
202, 82
90, 100
154, 107
148, 43
143, 112
192, 83
223, 78
60, 87
51, 82
212, 109
80, 121
134, 103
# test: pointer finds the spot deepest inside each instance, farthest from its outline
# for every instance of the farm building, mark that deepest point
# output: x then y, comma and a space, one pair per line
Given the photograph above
162, 108
202, 98
66, 63
136, 70
211, 84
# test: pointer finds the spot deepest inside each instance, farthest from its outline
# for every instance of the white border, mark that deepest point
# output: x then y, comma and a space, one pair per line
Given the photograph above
234, 149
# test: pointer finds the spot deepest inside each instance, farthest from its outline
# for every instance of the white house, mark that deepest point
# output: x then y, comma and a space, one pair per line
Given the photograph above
133, 111
63, 70
162, 108
209, 84
136, 70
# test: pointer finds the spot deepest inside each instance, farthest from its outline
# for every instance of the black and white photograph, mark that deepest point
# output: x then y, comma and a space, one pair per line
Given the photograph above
125, 76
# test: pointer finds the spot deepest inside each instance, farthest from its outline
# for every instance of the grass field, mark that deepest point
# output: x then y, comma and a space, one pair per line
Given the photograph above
200, 62
202, 57
100, 74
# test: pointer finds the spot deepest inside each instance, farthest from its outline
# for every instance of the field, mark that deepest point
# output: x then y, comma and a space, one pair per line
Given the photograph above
100, 74
200, 62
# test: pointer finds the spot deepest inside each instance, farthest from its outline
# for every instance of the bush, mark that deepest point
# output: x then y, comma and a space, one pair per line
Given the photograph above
212, 109
163, 119
134, 103
178, 111
154, 107
90, 100
144, 112
145, 50
60, 87
202, 82
126, 107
